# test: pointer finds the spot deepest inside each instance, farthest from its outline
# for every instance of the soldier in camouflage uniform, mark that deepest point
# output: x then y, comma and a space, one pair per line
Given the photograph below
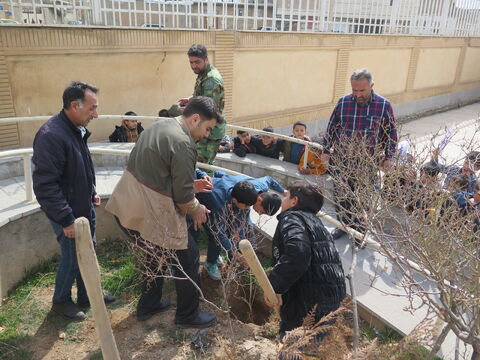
209, 83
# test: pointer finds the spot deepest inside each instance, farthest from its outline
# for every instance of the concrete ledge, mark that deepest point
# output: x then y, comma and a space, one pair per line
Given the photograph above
28, 240
10, 168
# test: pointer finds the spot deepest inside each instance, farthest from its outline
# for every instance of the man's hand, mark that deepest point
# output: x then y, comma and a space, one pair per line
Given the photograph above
304, 171
203, 185
325, 158
270, 304
183, 101
96, 200
201, 218
69, 231
237, 255
387, 165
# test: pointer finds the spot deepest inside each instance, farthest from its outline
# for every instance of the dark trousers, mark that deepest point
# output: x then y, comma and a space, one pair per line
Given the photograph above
345, 206
152, 287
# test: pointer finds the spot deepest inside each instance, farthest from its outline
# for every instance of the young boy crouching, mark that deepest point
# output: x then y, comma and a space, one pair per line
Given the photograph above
307, 270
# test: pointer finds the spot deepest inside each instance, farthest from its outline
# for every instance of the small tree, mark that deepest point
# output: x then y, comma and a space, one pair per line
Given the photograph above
419, 227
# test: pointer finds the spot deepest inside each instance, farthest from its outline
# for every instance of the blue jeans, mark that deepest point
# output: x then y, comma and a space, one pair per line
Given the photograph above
68, 270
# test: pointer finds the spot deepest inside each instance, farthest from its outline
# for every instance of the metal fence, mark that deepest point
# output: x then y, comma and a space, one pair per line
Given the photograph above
412, 17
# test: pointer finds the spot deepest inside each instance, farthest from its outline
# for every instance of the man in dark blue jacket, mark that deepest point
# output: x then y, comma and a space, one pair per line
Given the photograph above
64, 184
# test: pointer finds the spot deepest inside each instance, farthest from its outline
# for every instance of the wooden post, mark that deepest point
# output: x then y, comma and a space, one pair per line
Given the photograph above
257, 270
87, 261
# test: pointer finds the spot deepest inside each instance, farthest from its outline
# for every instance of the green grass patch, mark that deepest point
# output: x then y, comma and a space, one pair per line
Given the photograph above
97, 356
390, 336
385, 336
71, 332
417, 353
23, 315
120, 276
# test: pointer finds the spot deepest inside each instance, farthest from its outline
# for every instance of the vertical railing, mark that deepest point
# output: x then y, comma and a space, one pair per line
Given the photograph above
414, 17
27, 173
305, 156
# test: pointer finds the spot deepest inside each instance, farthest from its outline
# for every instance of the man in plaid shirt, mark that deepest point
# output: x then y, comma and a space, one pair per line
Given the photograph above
361, 116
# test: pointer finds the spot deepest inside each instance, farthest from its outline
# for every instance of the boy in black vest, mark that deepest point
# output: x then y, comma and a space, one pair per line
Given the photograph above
307, 270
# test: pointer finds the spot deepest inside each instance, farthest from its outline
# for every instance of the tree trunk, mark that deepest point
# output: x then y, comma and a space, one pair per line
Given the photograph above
475, 355
438, 342
350, 277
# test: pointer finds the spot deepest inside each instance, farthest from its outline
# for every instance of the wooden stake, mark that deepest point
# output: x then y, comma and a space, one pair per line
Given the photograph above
257, 270
87, 261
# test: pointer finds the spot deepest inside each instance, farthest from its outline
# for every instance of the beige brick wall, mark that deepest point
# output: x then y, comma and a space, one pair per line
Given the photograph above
270, 78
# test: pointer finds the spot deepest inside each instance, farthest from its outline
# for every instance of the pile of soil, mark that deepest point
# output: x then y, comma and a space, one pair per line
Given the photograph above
157, 338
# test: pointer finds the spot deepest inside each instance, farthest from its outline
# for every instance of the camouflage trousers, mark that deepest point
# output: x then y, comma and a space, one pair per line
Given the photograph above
206, 152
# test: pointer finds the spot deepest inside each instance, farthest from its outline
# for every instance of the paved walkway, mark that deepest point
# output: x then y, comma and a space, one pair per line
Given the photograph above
432, 123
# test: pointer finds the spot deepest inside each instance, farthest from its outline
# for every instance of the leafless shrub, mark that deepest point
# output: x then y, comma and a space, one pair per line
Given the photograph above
418, 226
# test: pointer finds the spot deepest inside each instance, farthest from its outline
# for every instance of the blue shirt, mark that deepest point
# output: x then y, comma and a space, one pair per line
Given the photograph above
296, 151
225, 217
461, 197
454, 170
223, 185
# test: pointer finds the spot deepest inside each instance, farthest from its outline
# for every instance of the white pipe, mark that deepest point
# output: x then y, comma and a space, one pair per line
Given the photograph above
14, 153
279, 136
305, 157
143, 118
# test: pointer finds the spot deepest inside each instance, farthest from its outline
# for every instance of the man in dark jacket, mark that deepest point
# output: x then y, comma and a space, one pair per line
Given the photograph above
242, 143
266, 145
307, 271
64, 184
129, 131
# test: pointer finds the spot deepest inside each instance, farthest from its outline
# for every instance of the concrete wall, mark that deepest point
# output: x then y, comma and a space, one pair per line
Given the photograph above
29, 241
271, 78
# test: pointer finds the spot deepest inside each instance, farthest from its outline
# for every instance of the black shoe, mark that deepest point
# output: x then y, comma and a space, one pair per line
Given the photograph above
162, 306
108, 299
69, 310
202, 320
337, 234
